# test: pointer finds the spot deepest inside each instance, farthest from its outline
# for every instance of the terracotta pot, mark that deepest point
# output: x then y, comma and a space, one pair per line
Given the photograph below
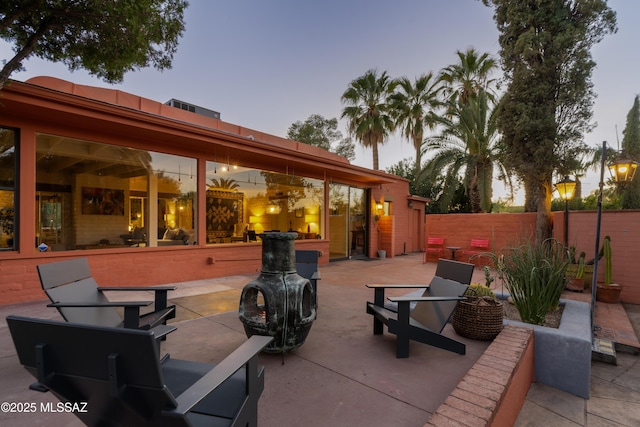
608, 293
575, 284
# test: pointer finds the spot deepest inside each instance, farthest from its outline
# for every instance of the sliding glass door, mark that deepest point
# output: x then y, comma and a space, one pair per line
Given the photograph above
347, 221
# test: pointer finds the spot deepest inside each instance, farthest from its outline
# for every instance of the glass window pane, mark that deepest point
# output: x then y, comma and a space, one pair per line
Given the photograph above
93, 195
8, 216
243, 202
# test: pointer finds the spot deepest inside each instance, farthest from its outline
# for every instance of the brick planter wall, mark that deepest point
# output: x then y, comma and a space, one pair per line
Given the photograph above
494, 390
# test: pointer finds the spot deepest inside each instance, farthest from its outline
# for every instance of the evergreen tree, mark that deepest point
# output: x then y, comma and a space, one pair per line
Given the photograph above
631, 147
545, 50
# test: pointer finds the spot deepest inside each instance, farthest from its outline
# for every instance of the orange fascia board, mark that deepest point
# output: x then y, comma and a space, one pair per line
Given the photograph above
135, 102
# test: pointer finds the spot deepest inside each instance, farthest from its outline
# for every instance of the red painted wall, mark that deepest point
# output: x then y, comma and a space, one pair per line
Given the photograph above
504, 228
141, 267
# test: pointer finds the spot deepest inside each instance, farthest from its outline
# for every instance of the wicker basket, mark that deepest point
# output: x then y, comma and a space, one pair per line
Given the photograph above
478, 318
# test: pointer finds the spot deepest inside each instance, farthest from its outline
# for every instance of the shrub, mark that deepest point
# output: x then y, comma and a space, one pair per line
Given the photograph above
534, 277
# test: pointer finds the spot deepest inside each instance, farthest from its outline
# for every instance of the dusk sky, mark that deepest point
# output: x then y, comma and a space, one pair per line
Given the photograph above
265, 64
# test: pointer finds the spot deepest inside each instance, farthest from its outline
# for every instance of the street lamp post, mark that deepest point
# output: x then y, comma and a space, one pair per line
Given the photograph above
622, 170
567, 190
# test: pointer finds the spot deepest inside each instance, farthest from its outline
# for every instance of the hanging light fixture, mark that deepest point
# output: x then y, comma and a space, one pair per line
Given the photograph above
623, 169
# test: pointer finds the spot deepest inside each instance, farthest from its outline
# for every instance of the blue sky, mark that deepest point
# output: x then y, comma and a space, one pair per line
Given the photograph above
265, 64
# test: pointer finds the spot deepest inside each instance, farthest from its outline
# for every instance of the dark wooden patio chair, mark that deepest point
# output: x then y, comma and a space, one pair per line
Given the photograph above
425, 322
73, 291
307, 267
115, 377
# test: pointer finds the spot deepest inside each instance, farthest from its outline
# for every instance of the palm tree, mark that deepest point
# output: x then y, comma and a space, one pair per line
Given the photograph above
368, 110
413, 108
469, 145
469, 77
223, 184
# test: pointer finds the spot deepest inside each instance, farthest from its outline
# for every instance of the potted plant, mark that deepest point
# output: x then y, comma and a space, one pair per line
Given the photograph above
575, 275
608, 291
480, 316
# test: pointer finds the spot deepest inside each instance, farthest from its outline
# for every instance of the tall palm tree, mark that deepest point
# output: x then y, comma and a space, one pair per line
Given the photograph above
414, 106
368, 111
468, 145
468, 77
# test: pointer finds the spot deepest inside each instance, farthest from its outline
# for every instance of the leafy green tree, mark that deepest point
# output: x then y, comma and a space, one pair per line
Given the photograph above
345, 148
631, 147
414, 106
368, 110
468, 146
418, 187
107, 38
545, 50
323, 133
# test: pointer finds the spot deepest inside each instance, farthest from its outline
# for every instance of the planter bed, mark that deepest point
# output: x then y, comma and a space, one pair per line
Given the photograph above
563, 356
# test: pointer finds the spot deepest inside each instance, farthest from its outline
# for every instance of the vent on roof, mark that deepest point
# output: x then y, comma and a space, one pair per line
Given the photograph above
193, 108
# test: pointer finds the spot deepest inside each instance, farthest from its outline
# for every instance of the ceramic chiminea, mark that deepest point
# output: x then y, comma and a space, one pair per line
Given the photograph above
279, 302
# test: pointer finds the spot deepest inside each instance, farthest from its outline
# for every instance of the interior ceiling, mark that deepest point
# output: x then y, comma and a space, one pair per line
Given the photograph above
55, 154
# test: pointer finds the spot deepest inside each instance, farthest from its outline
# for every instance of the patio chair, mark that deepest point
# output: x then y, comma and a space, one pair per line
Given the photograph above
435, 245
307, 267
457, 271
73, 291
113, 376
425, 322
476, 247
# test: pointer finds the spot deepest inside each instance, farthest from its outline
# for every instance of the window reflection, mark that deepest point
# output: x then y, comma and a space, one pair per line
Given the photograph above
243, 202
7, 188
94, 195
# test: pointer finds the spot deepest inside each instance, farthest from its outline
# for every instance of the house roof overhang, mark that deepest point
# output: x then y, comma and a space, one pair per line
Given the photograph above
134, 119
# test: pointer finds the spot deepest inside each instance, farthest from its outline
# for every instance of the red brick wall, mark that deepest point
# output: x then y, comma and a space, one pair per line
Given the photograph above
505, 228
495, 388
141, 267
624, 228
395, 233
501, 229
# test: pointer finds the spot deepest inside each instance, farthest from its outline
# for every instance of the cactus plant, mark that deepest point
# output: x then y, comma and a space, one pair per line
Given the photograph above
580, 271
479, 290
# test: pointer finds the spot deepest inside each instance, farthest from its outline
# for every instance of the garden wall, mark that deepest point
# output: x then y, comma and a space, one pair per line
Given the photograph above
503, 229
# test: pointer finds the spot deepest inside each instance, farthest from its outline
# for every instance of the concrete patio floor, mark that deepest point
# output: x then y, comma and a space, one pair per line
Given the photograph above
343, 375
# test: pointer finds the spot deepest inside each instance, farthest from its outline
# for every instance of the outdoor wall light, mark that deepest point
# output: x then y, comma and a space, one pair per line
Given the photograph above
379, 206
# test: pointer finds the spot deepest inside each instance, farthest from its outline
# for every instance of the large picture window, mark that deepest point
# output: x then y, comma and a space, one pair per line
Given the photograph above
243, 202
7, 188
93, 195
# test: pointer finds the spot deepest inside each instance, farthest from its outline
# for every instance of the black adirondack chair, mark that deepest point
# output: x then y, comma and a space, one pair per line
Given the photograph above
425, 321
73, 291
116, 378
461, 272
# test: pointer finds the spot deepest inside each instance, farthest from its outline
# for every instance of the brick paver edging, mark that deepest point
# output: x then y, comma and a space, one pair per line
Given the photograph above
494, 390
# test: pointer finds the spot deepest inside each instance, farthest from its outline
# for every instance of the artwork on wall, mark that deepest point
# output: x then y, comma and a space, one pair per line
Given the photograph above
102, 201
224, 212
